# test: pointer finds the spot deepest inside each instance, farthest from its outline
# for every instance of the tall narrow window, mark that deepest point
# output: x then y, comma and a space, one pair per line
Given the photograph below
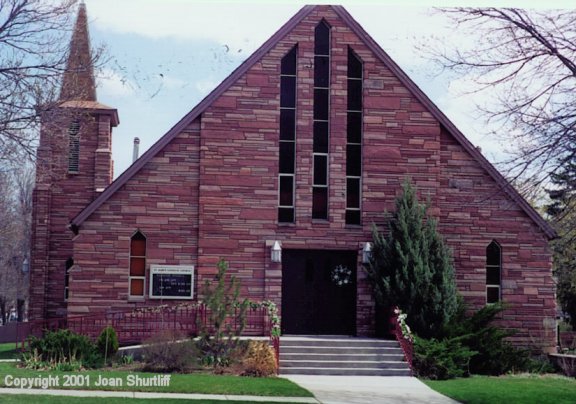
321, 121
287, 143
137, 277
69, 265
354, 140
493, 272
74, 147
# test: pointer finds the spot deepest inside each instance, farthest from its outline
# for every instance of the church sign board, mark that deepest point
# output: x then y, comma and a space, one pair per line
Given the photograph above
172, 281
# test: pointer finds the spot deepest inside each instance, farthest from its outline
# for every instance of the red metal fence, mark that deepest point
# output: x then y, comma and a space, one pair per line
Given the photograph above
136, 326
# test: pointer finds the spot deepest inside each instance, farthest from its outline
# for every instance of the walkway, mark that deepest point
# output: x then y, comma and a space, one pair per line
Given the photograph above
369, 389
326, 389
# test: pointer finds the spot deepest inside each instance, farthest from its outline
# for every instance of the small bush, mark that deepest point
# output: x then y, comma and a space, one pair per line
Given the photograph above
495, 354
540, 365
226, 318
259, 360
170, 351
441, 360
107, 342
62, 349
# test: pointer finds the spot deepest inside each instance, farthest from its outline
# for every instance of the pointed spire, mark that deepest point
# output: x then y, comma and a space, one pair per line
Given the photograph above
78, 82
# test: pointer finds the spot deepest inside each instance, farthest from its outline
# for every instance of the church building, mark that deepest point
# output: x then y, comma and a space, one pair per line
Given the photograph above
281, 170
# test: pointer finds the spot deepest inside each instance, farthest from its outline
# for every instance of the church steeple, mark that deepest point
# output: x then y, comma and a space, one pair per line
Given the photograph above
78, 83
73, 165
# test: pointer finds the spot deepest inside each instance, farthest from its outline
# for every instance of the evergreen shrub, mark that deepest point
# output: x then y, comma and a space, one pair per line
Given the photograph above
441, 359
63, 350
495, 354
411, 267
107, 343
225, 319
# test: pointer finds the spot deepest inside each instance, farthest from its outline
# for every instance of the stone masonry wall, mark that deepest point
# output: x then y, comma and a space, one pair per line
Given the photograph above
58, 197
213, 194
162, 202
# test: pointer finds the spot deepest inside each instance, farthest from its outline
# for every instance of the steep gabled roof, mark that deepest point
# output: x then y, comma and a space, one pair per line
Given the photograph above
255, 57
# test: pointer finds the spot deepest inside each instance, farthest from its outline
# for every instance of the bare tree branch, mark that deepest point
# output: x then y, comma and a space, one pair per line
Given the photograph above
34, 39
525, 61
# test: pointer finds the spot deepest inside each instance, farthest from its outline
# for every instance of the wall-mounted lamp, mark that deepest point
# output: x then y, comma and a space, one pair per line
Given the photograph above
276, 252
25, 265
366, 253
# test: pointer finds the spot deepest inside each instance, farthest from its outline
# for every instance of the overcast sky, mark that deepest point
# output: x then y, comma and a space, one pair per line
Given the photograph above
169, 54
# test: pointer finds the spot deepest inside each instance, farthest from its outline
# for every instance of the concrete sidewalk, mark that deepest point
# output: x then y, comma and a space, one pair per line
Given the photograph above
326, 389
369, 389
134, 394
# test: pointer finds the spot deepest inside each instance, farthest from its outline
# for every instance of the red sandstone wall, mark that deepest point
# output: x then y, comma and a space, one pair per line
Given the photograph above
58, 197
162, 202
222, 200
474, 211
240, 157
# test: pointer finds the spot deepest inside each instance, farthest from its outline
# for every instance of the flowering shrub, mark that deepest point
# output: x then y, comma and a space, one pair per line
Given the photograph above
272, 311
401, 319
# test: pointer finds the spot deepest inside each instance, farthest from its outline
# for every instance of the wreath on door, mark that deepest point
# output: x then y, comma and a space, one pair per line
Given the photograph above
341, 275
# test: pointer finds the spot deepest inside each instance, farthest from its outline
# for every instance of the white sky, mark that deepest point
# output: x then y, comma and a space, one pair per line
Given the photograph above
169, 54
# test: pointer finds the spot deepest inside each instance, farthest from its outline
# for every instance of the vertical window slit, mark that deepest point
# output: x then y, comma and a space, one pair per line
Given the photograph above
354, 140
287, 141
321, 118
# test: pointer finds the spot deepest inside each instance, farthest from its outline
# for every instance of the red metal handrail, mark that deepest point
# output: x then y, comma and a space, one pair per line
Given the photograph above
405, 343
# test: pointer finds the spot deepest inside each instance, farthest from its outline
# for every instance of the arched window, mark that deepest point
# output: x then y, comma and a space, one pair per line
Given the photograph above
69, 265
493, 272
137, 277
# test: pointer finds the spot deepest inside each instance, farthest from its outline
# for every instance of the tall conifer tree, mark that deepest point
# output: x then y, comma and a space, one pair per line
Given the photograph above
411, 267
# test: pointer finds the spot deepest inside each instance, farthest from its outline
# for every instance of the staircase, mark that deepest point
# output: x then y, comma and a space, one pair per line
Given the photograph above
349, 356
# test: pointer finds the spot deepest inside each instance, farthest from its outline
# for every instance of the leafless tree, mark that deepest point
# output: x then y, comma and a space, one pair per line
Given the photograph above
34, 38
15, 230
525, 62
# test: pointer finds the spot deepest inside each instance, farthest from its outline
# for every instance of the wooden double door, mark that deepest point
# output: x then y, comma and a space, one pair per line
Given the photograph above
319, 292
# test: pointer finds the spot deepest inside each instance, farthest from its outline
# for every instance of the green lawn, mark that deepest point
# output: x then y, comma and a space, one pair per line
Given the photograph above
179, 383
8, 351
508, 389
37, 399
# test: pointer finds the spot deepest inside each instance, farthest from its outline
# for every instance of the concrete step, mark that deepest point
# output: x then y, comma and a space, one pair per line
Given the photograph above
344, 342
350, 350
345, 372
313, 355
339, 364
345, 357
